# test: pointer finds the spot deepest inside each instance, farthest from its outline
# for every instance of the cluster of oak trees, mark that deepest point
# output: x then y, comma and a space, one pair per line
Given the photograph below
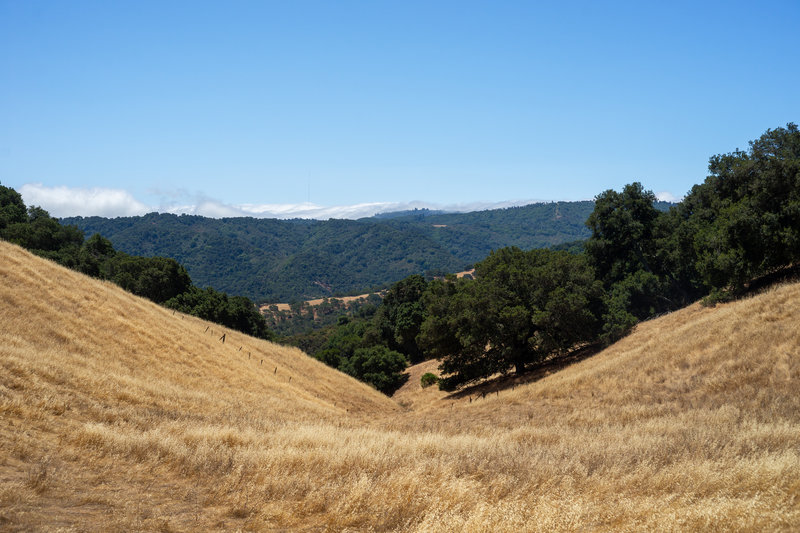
522, 307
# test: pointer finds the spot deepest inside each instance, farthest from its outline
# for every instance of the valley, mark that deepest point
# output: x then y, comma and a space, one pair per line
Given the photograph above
118, 414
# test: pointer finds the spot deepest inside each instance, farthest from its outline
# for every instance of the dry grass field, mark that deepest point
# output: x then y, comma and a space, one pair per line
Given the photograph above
117, 415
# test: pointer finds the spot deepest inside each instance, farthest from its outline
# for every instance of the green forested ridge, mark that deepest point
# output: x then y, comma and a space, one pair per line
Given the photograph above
272, 260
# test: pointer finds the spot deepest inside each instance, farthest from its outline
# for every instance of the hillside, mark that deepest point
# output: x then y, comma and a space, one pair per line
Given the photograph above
112, 408
271, 260
117, 415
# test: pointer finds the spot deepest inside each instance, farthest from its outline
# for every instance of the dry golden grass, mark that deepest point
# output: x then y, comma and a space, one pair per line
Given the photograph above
412, 396
116, 414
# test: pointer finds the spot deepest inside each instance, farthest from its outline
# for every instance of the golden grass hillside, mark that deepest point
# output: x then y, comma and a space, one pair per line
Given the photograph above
116, 415
413, 396
100, 390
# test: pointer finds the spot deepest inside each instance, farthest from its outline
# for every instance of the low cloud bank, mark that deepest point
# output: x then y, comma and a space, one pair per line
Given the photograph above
63, 201
214, 209
666, 196
69, 201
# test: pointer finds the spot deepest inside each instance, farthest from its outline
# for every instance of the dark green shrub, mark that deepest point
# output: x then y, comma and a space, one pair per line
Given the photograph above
379, 366
428, 379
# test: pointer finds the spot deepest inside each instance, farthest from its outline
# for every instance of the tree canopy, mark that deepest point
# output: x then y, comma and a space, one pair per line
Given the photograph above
522, 307
400, 316
746, 215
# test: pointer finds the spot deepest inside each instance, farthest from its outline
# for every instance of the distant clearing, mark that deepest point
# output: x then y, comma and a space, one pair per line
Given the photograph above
317, 301
118, 415
345, 299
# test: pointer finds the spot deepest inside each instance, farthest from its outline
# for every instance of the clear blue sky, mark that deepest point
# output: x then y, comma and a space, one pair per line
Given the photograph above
118, 107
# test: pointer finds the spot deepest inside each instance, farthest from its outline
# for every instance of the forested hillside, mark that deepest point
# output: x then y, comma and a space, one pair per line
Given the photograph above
283, 260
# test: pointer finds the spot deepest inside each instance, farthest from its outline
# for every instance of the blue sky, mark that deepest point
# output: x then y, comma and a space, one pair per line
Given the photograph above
346, 108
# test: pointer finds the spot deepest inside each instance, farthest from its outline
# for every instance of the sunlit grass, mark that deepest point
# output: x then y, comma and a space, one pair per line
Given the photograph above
116, 414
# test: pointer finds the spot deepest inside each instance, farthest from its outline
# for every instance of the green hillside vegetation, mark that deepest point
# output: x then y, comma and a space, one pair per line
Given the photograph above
159, 279
736, 230
271, 260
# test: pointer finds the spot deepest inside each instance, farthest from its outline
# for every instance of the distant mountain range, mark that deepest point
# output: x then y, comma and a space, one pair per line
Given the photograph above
271, 260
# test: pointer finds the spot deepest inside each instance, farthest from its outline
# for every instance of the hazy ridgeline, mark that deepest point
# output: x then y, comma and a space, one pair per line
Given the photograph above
116, 414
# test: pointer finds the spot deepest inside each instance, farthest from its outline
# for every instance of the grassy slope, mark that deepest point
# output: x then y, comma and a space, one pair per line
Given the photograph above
117, 415
111, 405
412, 396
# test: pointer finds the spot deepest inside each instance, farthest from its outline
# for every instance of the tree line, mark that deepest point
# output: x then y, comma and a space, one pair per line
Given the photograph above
740, 225
159, 279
